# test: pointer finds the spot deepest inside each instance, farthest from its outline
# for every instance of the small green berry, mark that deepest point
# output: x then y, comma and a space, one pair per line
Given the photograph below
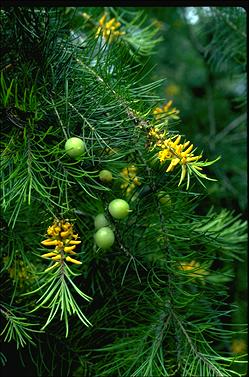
100, 221
105, 176
74, 147
119, 208
104, 237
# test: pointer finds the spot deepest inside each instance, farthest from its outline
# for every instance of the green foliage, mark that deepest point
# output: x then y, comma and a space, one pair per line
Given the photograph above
58, 296
160, 295
226, 36
17, 328
207, 83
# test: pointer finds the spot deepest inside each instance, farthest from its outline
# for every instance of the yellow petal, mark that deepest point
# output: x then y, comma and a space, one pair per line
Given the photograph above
157, 110
183, 174
69, 259
57, 257
117, 24
170, 167
71, 252
54, 265
109, 24
72, 242
50, 242
173, 163
167, 106
195, 158
66, 226
136, 181
65, 233
186, 144
47, 255
69, 248
50, 231
178, 149
102, 20
176, 141
184, 154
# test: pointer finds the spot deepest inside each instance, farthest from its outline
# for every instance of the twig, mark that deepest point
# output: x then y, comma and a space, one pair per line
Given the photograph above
58, 116
197, 353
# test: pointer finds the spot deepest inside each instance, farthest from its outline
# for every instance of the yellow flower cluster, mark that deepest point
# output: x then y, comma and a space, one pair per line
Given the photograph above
194, 269
173, 150
61, 235
166, 111
109, 28
19, 272
130, 179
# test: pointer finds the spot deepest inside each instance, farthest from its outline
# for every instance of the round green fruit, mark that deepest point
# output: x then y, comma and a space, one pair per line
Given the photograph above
74, 147
105, 176
119, 208
100, 221
104, 237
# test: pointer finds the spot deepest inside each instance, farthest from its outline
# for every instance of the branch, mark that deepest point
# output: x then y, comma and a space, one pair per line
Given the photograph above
194, 350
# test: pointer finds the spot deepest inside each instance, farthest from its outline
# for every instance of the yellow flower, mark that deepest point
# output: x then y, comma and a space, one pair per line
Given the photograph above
166, 111
108, 29
62, 236
164, 155
19, 272
130, 179
156, 137
194, 269
176, 153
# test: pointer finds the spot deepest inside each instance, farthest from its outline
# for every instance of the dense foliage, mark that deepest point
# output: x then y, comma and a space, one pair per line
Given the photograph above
111, 263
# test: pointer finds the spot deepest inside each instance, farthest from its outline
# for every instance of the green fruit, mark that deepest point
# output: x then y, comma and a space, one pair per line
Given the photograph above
119, 208
105, 176
100, 221
104, 237
74, 147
